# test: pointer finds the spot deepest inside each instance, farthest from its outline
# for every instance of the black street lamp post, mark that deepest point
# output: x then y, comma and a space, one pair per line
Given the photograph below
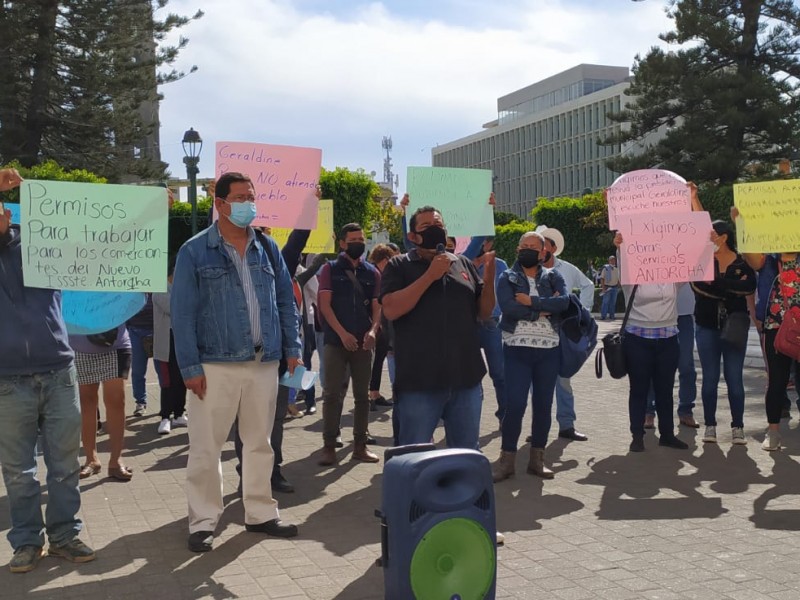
192, 145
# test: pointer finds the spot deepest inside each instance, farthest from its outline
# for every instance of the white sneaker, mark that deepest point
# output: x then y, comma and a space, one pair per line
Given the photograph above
710, 436
772, 441
164, 427
500, 539
182, 421
737, 433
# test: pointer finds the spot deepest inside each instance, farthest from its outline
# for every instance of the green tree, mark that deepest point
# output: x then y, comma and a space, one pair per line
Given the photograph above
725, 100
49, 170
586, 234
352, 192
78, 83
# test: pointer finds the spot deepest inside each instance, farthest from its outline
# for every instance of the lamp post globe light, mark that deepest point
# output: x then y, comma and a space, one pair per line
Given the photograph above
192, 145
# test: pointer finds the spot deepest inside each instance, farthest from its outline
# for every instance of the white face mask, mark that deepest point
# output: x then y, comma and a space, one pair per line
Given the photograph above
716, 248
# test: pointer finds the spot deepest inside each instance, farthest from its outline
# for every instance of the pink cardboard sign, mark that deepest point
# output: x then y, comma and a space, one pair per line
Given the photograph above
285, 178
647, 191
666, 248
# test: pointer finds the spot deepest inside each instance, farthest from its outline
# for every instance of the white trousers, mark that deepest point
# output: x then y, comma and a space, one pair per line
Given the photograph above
247, 390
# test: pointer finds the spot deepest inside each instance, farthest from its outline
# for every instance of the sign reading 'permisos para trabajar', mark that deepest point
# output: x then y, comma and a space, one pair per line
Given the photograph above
86, 236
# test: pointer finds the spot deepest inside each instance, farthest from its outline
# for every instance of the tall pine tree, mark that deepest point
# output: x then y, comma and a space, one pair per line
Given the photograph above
726, 102
79, 83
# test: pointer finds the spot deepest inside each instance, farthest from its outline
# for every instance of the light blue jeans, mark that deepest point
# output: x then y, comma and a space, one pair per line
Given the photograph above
608, 305
712, 349
139, 363
418, 413
565, 404
45, 403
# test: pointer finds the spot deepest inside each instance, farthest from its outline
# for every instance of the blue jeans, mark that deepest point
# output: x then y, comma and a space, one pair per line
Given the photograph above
139, 363
651, 363
491, 340
534, 370
711, 349
45, 403
608, 306
418, 413
565, 404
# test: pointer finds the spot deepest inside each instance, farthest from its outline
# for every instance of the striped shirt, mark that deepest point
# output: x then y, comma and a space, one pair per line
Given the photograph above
653, 333
253, 307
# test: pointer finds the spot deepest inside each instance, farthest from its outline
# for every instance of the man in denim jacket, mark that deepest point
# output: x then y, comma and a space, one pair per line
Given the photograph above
233, 317
38, 395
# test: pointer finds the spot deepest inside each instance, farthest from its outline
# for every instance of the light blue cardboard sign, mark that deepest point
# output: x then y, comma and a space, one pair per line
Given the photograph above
86, 313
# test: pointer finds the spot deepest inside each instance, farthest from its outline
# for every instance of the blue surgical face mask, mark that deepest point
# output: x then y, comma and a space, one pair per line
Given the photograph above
242, 213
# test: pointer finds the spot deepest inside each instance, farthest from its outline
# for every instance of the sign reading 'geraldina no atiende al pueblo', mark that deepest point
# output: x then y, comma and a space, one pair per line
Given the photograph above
86, 236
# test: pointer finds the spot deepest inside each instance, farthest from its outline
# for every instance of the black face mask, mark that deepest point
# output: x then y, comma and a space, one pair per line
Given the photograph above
547, 256
528, 258
355, 249
432, 237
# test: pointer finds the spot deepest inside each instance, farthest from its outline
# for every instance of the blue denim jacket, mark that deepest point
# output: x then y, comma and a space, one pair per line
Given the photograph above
209, 311
514, 281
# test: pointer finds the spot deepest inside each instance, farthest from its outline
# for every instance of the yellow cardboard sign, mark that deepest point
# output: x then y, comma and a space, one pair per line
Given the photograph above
321, 240
769, 216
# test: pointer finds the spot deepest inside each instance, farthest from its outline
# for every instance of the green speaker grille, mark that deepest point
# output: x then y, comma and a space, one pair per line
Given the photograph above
454, 560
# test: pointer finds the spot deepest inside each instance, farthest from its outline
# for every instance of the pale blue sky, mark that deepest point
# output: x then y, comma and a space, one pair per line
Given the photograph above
339, 75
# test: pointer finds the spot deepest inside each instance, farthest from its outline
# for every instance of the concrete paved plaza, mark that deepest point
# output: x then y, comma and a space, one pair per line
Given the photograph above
712, 522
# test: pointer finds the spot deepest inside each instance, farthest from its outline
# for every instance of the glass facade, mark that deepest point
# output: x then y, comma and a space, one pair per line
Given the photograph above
556, 155
560, 96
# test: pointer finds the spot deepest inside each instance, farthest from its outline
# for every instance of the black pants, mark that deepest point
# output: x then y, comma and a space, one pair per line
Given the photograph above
381, 350
173, 390
779, 368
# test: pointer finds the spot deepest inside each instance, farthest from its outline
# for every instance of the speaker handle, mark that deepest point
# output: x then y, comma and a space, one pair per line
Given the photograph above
409, 449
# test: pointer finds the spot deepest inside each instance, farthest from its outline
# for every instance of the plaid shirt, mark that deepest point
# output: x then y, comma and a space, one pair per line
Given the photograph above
653, 333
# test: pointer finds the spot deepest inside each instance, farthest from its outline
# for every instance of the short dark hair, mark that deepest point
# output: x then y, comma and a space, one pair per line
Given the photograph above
350, 227
394, 247
223, 186
412, 222
451, 238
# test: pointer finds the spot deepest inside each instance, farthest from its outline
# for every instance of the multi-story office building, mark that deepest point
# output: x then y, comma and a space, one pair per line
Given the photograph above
544, 142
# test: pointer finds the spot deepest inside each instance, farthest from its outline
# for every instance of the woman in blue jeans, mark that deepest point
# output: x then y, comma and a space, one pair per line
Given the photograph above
717, 301
531, 299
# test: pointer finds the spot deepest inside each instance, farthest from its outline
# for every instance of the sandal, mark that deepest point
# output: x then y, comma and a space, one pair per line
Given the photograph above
121, 473
89, 469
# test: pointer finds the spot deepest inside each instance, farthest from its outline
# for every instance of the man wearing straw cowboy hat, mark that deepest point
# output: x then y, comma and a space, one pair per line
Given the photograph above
574, 279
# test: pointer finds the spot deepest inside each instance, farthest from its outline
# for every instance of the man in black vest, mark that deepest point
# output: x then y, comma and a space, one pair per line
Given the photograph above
348, 301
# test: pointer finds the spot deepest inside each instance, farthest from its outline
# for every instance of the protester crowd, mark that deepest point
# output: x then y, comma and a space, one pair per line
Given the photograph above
240, 313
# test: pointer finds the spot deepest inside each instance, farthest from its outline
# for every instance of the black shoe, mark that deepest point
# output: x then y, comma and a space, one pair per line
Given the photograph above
381, 401
371, 440
275, 527
200, 541
311, 410
637, 444
280, 483
339, 442
672, 442
571, 434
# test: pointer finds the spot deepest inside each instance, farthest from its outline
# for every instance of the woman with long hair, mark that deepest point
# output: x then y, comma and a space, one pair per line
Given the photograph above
721, 326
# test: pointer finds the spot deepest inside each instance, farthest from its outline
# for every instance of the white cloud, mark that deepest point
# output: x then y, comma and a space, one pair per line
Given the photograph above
272, 72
